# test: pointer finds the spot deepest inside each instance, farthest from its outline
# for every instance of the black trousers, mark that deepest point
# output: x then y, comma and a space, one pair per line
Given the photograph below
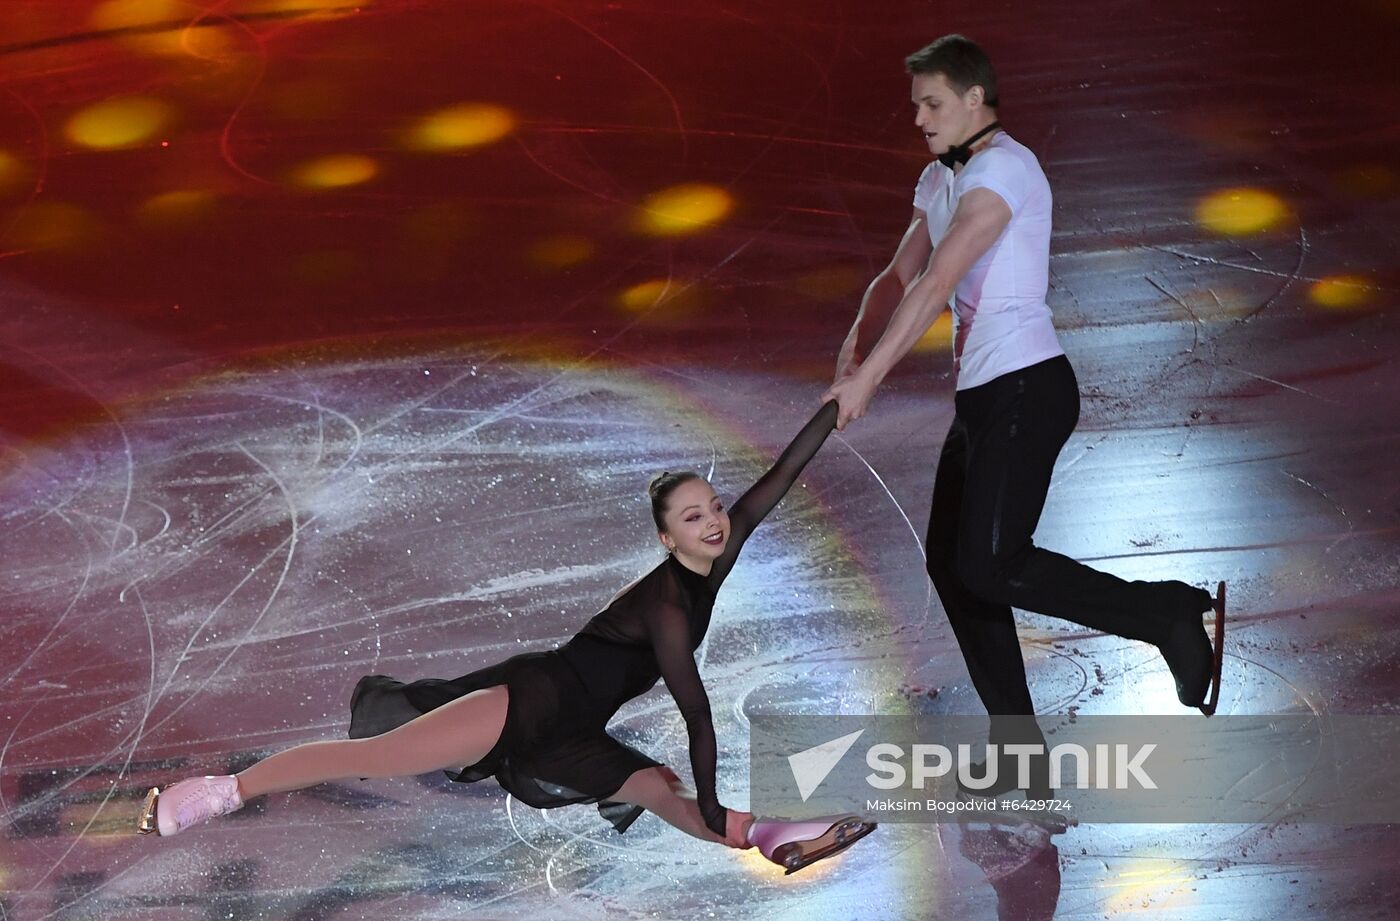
993, 477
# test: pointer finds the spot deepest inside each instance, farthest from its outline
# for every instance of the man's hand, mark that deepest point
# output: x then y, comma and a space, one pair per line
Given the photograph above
736, 829
852, 395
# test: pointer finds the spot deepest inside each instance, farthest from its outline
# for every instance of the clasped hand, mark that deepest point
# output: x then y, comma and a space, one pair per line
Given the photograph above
852, 392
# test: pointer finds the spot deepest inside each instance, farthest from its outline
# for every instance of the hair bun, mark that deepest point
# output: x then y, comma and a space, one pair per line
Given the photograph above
661, 487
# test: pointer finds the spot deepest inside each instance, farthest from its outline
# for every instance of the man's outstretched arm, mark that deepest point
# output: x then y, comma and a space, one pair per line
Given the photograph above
884, 294
979, 220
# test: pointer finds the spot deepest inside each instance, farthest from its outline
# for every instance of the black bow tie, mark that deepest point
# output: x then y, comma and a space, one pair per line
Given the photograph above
961, 153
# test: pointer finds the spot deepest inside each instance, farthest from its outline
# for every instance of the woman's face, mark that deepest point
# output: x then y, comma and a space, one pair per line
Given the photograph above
697, 525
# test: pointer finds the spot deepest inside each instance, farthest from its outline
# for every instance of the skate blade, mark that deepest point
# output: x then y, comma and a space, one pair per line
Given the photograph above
147, 825
798, 854
1208, 708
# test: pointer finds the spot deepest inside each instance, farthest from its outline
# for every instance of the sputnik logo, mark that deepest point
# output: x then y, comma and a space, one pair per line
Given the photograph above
810, 766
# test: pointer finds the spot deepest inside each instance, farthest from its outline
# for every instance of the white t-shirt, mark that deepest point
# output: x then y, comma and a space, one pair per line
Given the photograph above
1001, 322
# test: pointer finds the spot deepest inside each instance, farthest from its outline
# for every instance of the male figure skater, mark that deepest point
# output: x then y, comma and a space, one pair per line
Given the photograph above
980, 235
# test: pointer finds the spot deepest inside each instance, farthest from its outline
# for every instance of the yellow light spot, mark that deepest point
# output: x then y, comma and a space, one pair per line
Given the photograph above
165, 21
175, 207
646, 295
1342, 292
561, 252
320, 9
335, 171
105, 823
13, 173
49, 225
754, 863
130, 14
1241, 211
939, 336
123, 122
684, 209
673, 296
461, 127
1167, 885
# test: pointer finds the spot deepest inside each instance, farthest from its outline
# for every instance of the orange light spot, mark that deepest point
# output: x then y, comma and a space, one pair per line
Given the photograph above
755, 864
319, 9
672, 296
1241, 212
336, 171
1342, 292
13, 173
175, 207
646, 295
126, 14
684, 209
167, 35
116, 123
939, 336
462, 127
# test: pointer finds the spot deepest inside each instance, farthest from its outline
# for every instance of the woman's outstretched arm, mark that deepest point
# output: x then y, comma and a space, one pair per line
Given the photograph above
755, 504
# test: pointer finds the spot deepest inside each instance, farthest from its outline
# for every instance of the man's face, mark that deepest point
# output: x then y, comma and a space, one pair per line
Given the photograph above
943, 116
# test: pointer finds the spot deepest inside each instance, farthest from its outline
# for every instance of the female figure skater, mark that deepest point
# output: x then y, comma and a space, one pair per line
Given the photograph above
537, 721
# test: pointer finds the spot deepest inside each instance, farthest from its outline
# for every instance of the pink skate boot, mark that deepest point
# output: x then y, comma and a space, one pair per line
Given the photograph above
188, 803
795, 845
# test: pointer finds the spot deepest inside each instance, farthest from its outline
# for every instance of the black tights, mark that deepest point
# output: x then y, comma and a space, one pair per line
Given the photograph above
993, 476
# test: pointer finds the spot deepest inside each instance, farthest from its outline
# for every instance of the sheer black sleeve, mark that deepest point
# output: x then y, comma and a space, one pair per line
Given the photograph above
669, 630
755, 504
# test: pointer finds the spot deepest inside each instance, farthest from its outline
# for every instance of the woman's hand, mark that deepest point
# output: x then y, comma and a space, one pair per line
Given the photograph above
852, 395
736, 829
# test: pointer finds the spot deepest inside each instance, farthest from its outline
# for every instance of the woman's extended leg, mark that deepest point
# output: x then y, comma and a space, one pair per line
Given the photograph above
452, 736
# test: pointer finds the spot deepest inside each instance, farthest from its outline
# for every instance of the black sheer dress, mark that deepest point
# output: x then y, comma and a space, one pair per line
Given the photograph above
555, 749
